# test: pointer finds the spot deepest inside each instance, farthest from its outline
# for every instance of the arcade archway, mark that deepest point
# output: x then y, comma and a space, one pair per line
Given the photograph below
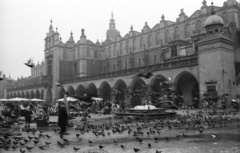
187, 89
71, 90
159, 88
119, 90
138, 90
22, 95
18, 94
105, 91
37, 94
92, 90
80, 90
49, 95
27, 94
31, 95
61, 93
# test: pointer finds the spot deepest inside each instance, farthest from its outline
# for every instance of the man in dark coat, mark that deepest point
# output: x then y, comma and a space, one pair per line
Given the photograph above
62, 117
28, 116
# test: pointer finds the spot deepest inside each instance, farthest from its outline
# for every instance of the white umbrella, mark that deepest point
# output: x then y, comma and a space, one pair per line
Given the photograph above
96, 98
18, 99
68, 99
35, 99
4, 99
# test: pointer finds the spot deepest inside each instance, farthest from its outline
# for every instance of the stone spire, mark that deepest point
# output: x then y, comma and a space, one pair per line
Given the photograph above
83, 34
112, 24
112, 31
163, 17
71, 37
51, 27
131, 28
204, 4
212, 12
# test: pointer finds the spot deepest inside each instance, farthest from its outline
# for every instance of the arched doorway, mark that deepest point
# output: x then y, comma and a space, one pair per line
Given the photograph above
31, 95
105, 92
27, 94
80, 90
42, 94
49, 95
159, 89
61, 93
187, 89
119, 90
18, 94
23, 95
92, 90
37, 94
71, 90
138, 89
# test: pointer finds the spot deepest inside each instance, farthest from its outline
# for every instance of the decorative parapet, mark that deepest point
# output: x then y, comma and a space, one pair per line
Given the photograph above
184, 61
25, 87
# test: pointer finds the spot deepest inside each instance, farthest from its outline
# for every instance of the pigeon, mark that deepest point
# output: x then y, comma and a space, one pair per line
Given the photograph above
35, 141
201, 130
30, 138
14, 147
29, 148
22, 151
66, 140
47, 143
42, 147
145, 74
30, 63
158, 151
22, 143
60, 144
101, 146
90, 142
76, 149
136, 149
149, 145
123, 146
115, 141
58, 84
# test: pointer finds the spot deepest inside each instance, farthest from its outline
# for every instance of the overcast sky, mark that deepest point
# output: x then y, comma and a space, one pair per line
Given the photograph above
24, 23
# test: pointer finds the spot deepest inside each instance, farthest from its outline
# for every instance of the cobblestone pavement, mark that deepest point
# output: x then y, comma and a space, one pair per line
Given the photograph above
218, 139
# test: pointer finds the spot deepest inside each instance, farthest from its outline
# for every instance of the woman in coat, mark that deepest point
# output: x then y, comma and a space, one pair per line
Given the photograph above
28, 116
62, 118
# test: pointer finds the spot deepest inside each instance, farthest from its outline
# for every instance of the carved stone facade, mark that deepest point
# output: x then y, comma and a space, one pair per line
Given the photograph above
178, 50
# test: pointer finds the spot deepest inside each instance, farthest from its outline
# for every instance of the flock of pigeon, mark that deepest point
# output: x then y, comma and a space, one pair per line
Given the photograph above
146, 133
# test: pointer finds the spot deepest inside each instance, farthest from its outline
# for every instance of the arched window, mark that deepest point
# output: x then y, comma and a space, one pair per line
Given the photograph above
127, 47
166, 36
120, 48
134, 47
149, 41
158, 38
176, 33
187, 31
199, 26
225, 18
115, 50
141, 43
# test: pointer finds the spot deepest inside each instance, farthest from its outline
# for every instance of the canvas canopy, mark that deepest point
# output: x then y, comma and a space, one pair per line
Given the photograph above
35, 99
68, 99
18, 99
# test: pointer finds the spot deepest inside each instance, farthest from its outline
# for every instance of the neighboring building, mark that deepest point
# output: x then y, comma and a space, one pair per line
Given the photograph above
196, 55
6, 83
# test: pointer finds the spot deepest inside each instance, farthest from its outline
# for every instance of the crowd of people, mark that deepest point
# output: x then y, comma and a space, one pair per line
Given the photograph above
29, 111
12, 112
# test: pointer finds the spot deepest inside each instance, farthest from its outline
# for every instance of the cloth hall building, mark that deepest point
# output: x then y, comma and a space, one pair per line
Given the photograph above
194, 57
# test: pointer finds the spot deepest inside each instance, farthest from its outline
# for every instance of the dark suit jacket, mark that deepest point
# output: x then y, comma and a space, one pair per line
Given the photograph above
62, 116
